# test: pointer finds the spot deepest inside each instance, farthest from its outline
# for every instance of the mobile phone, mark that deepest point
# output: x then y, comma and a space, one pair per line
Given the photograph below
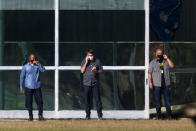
97, 67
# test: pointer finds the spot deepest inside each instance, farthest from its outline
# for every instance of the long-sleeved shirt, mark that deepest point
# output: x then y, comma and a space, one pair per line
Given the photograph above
29, 75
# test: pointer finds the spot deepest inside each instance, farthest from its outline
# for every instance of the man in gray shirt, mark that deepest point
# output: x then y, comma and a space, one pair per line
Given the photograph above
159, 80
91, 67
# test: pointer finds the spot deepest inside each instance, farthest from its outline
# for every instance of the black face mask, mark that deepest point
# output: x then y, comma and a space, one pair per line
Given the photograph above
31, 61
160, 58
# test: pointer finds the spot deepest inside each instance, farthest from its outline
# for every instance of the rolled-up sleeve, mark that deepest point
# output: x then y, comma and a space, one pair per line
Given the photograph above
41, 68
150, 67
82, 63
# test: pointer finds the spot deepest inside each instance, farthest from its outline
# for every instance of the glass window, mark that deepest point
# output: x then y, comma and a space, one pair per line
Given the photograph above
120, 90
26, 4
102, 5
183, 78
16, 54
172, 21
102, 25
12, 99
110, 54
25, 32
183, 87
182, 54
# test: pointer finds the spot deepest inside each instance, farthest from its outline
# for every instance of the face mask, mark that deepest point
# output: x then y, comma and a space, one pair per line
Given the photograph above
91, 58
31, 61
160, 58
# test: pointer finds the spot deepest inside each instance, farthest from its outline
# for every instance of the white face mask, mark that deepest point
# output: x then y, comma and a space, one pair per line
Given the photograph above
91, 58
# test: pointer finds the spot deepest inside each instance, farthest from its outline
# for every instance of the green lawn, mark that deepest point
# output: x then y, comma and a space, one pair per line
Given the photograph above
95, 125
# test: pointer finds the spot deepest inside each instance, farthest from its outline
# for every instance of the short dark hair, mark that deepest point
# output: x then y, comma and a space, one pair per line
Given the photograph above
90, 51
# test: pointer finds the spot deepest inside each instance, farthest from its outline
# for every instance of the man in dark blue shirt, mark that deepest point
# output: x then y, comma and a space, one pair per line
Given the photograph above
91, 67
30, 78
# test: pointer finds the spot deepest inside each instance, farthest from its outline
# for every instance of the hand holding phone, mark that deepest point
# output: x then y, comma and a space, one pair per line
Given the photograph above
35, 62
94, 69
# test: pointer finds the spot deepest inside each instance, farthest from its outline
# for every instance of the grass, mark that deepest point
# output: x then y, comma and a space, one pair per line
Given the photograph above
95, 125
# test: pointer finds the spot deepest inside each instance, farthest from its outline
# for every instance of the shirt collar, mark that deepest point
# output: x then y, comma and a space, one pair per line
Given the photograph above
30, 64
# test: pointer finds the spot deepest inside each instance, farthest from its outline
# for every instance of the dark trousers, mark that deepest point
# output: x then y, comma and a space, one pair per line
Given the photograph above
158, 91
91, 91
37, 93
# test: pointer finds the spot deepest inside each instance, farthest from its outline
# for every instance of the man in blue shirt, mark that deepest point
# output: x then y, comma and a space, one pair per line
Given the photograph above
30, 78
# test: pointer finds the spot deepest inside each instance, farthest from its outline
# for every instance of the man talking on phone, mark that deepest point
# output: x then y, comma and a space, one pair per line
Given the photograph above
91, 67
159, 80
30, 77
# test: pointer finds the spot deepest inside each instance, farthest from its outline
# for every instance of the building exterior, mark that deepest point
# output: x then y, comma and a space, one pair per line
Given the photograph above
59, 32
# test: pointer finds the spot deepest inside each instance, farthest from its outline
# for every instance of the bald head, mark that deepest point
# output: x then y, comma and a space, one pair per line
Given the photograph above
159, 52
32, 57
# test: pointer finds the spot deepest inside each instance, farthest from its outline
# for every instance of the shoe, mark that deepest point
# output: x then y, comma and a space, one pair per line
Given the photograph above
100, 118
30, 118
88, 118
158, 118
41, 118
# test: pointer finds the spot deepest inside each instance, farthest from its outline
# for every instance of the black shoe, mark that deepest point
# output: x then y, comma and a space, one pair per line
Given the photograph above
88, 118
30, 118
158, 118
41, 118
